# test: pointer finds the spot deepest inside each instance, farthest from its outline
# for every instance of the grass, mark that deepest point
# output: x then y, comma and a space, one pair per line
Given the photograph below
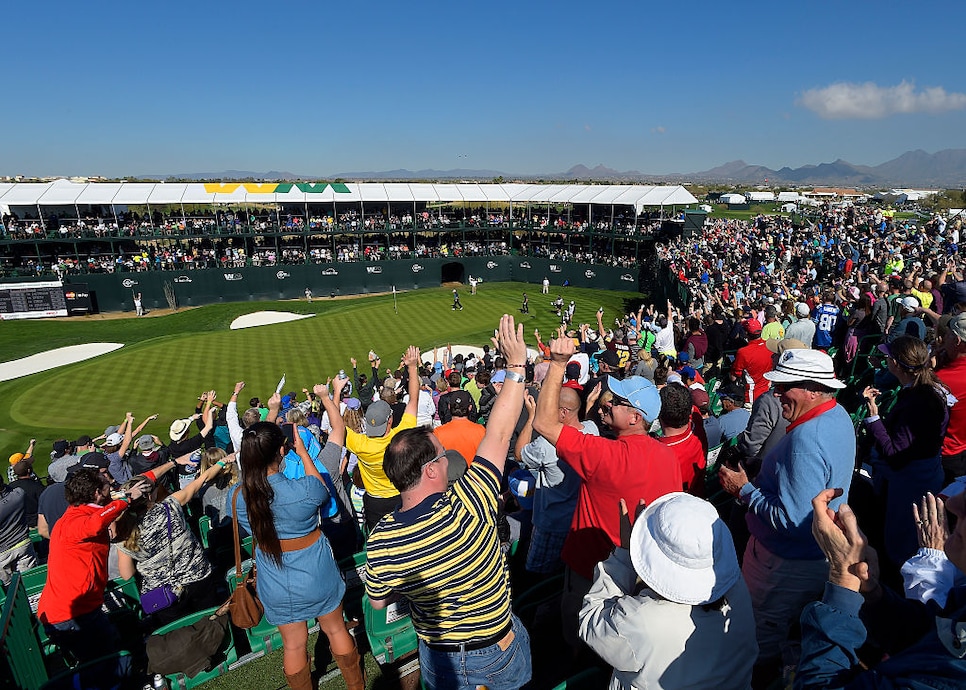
166, 362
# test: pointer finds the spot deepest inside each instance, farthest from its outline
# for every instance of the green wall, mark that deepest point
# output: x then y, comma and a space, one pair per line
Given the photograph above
115, 291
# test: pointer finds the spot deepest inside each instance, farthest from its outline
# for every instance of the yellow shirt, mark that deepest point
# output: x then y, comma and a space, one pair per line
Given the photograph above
370, 452
772, 329
925, 298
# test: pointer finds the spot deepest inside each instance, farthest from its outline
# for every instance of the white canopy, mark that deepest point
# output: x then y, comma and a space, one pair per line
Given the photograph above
61, 192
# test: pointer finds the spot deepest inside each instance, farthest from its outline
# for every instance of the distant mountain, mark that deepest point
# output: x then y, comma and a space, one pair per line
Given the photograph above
945, 169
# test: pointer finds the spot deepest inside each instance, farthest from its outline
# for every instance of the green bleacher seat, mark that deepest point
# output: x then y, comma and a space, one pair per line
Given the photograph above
390, 631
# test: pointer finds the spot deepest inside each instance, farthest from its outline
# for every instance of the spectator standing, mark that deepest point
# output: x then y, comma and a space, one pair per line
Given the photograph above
632, 467
783, 566
953, 377
691, 624
557, 485
802, 330
441, 549
16, 550
461, 433
298, 578
752, 362
381, 496
27, 481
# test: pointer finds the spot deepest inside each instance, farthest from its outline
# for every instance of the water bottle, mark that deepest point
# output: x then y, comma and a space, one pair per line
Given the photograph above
342, 374
159, 682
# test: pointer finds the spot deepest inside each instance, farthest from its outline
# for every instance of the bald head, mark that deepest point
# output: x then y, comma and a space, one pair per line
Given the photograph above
569, 407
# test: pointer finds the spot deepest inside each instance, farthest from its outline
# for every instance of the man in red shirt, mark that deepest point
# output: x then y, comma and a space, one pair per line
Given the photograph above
953, 376
680, 436
70, 604
632, 467
752, 362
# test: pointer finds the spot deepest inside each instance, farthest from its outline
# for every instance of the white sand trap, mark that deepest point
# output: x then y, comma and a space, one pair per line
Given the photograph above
427, 356
266, 318
51, 359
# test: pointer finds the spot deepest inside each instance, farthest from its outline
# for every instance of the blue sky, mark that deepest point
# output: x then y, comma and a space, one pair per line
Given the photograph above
112, 88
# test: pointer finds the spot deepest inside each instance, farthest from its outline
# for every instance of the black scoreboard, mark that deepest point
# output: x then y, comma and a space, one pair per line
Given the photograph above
34, 300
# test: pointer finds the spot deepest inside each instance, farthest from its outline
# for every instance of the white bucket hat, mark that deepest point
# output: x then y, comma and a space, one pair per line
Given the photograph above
682, 550
804, 365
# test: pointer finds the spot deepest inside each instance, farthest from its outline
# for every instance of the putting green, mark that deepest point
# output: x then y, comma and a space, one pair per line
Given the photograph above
163, 368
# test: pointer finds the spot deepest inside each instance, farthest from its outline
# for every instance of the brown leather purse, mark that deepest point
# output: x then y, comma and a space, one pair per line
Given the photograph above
244, 607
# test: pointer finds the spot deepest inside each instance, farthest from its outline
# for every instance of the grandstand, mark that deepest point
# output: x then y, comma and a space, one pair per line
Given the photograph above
198, 243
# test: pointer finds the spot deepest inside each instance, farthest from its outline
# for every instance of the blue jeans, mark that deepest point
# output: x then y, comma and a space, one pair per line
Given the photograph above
495, 668
87, 636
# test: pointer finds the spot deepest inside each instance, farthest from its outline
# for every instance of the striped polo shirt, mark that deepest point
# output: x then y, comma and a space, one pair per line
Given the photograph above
444, 556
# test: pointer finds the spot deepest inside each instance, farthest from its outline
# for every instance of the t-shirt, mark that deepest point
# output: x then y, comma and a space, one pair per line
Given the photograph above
13, 520
755, 359
52, 504
953, 376
186, 562
31, 489
557, 485
772, 329
631, 467
461, 435
691, 458
370, 452
444, 556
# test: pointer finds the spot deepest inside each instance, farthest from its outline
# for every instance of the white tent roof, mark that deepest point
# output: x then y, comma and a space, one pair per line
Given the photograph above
62, 192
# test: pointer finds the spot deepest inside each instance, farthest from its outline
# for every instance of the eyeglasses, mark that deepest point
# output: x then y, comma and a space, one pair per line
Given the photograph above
436, 459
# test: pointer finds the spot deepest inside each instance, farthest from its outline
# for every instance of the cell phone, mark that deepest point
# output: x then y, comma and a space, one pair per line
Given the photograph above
289, 431
281, 384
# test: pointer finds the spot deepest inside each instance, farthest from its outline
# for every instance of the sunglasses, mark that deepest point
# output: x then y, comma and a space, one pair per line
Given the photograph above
608, 406
783, 387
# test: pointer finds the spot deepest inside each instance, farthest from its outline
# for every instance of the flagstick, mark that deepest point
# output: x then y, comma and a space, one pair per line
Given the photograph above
395, 308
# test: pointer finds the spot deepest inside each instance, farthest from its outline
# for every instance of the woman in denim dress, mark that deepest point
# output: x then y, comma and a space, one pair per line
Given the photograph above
298, 578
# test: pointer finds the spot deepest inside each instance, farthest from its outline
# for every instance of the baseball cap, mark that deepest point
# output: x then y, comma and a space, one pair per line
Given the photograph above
84, 440
753, 326
94, 460
353, 403
377, 418
801, 309
573, 371
908, 303
16, 457
700, 398
114, 439
608, 357
640, 393
461, 401
60, 448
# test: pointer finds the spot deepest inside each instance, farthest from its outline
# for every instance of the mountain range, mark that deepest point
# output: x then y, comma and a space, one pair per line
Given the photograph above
943, 169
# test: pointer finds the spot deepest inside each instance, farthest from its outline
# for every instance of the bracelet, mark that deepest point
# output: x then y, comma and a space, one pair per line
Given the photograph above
516, 366
221, 463
514, 376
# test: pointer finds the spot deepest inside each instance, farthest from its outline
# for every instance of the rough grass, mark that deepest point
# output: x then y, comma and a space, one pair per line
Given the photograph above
168, 361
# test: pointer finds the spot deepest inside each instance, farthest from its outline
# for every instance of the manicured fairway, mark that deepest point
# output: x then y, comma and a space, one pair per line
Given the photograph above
168, 361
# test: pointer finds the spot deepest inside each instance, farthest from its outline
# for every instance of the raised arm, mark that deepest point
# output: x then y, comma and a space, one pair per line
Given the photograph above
331, 405
411, 362
547, 421
526, 433
186, 494
506, 409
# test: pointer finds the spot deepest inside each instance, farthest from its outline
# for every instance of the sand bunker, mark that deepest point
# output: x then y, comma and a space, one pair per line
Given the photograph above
427, 356
51, 359
266, 318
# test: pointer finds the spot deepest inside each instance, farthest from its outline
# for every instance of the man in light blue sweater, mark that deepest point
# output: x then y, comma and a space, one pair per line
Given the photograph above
783, 565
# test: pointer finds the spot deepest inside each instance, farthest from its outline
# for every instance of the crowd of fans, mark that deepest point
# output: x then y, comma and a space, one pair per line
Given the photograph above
763, 484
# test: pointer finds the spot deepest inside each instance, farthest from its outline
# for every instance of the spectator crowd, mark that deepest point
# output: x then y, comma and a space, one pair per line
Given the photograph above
761, 486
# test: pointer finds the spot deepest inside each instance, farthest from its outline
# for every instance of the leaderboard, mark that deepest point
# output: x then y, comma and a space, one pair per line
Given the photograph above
32, 300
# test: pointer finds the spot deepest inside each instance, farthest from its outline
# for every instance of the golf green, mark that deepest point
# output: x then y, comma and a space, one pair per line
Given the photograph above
166, 362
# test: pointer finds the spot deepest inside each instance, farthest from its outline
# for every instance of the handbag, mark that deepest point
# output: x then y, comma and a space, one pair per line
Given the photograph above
162, 597
244, 606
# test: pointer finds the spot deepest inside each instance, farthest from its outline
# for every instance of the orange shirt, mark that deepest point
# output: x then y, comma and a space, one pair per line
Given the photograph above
461, 434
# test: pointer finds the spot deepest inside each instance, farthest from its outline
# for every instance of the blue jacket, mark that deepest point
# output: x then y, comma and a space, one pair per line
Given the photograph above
920, 639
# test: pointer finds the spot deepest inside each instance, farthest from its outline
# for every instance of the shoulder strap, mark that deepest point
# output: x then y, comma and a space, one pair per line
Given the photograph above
234, 524
167, 513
